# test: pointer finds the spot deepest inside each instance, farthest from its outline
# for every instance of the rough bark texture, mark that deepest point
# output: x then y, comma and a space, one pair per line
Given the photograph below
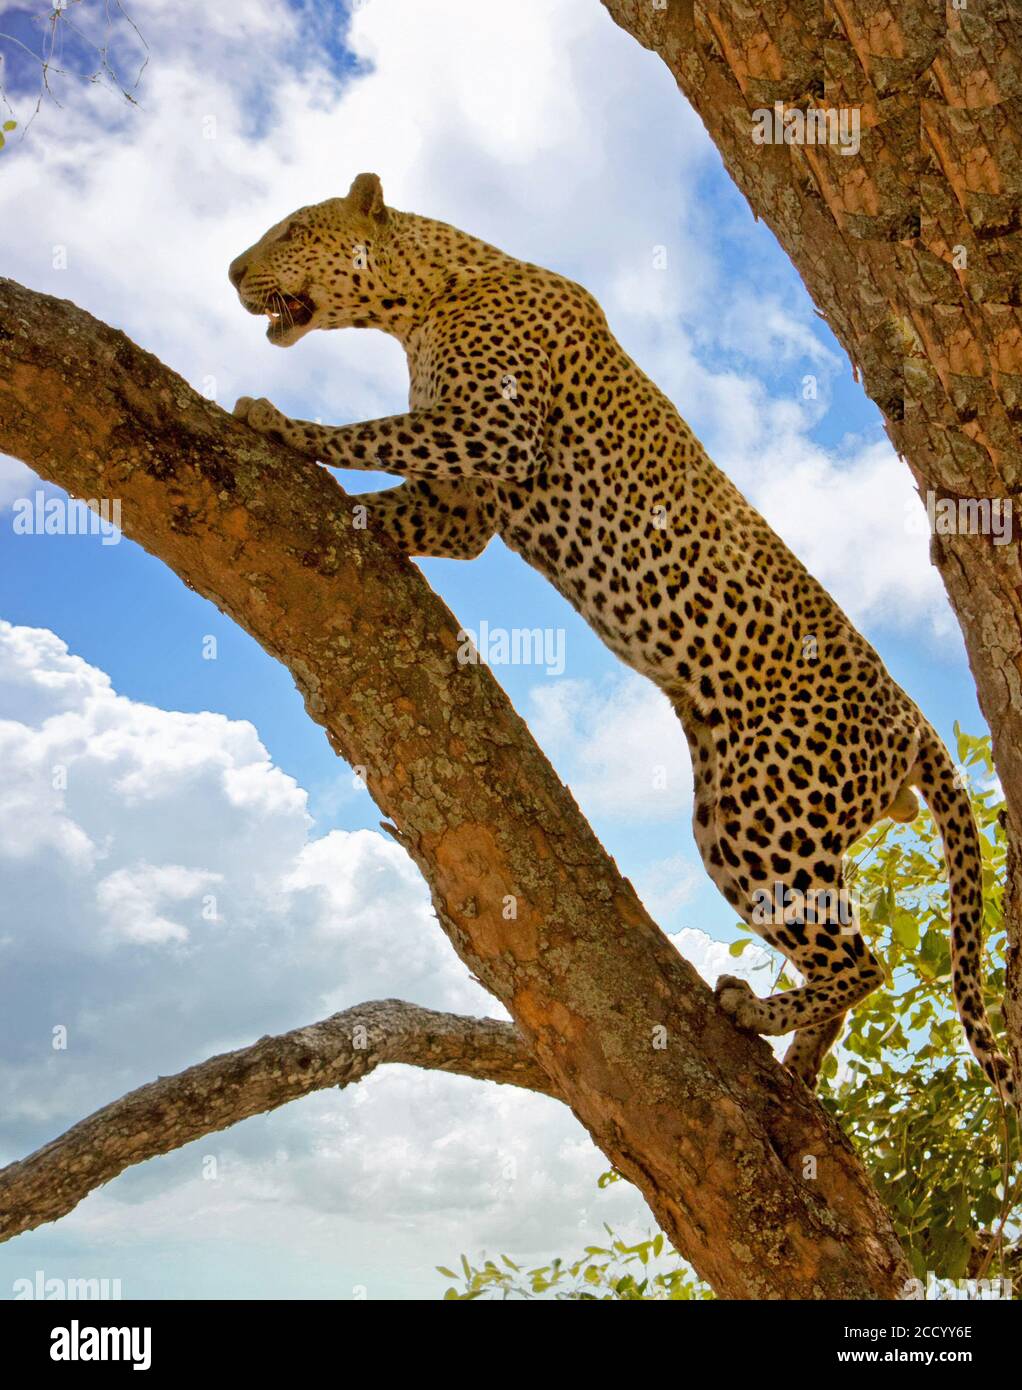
699, 1116
223, 1090
912, 250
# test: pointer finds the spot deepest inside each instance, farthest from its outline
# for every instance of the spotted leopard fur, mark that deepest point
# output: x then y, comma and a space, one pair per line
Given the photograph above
528, 421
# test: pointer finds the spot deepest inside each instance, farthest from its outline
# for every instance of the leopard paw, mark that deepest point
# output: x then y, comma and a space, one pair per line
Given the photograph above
260, 415
736, 998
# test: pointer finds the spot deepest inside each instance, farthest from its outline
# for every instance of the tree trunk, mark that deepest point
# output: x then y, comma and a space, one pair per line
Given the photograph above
912, 250
700, 1117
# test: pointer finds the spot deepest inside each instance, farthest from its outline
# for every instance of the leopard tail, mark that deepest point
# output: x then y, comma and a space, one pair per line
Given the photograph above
951, 809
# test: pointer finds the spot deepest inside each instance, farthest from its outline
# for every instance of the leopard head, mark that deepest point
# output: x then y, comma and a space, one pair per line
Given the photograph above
321, 267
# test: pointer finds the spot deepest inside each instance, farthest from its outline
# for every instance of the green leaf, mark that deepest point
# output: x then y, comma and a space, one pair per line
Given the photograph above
905, 929
737, 947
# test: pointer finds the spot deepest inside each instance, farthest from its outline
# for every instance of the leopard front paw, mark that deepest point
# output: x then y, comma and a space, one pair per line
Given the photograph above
262, 416
736, 998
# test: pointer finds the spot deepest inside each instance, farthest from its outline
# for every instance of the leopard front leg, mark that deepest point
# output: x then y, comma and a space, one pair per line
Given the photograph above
471, 432
449, 520
437, 443
306, 437
452, 519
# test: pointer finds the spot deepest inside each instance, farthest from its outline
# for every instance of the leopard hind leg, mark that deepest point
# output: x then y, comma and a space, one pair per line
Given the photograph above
820, 936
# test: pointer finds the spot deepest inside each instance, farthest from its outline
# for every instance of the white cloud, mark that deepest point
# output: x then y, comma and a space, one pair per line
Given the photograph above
666, 885
764, 330
130, 900
851, 514
619, 746
119, 946
713, 958
852, 527
15, 480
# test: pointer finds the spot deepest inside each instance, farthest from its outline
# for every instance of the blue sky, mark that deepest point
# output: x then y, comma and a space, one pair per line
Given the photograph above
562, 141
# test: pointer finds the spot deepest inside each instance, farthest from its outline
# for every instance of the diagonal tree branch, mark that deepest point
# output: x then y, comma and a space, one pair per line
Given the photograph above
174, 1110
698, 1115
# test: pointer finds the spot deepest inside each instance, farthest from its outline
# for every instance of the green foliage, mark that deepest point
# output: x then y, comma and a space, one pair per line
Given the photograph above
924, 1118
933, 1135
646, 1271
6, 126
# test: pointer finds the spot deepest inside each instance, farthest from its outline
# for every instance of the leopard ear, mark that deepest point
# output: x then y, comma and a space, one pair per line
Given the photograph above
366, 197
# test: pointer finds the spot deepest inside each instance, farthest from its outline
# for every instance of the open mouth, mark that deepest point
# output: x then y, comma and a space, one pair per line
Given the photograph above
286, 312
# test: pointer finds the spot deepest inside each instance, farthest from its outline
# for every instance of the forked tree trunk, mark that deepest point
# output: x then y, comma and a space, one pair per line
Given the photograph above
911, 248
740, 1165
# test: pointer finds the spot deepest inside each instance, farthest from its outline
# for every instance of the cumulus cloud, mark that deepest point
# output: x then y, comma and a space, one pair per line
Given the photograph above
850, 513
130, 901
156, 845
770, 333
203, 912
713, 959
15, 480
756, 964
666, 885
618, 745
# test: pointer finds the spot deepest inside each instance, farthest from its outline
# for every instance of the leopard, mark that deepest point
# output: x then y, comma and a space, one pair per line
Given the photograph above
527, 420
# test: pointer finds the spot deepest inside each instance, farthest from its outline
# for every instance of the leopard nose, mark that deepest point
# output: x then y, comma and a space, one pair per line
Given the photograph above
236, 272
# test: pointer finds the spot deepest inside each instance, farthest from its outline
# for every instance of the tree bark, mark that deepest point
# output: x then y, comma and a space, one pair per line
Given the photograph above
174, 1110
715, 1134
911, 249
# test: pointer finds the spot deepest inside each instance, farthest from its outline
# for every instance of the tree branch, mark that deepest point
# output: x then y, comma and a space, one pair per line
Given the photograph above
698, 1115
174, 1110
